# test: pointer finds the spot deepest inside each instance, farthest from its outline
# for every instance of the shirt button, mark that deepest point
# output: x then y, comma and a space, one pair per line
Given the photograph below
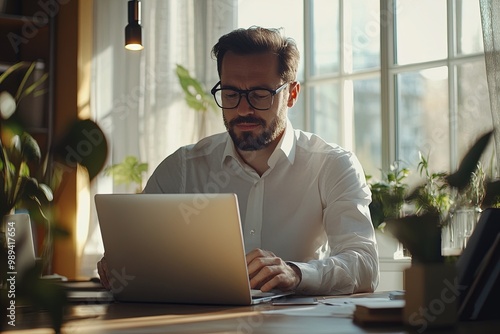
252, 232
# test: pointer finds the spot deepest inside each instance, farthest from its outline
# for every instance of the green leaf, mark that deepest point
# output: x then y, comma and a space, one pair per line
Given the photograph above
128, 171
190, 86
34, 88
461, 178
39, 191
20, 89
195, 95
11, 70
30, 149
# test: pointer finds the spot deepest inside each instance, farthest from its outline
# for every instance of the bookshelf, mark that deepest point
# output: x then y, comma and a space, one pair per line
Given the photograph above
27, 35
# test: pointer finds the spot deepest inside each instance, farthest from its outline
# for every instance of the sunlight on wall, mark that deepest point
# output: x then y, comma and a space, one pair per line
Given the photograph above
83, 214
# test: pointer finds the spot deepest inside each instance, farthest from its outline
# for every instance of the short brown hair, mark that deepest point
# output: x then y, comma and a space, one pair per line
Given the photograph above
260, 40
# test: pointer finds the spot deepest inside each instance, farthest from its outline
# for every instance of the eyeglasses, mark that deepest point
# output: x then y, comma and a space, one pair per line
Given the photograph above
258, 98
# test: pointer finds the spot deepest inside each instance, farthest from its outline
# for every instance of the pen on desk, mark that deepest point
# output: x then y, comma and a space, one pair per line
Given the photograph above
333, 303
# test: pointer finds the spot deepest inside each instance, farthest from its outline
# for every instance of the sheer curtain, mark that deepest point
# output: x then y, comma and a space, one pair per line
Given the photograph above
136, 97
490, 17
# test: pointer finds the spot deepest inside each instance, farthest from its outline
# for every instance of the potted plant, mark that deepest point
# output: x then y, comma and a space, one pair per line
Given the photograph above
434, 198
421, 234
28, 181
19, 151
388, 198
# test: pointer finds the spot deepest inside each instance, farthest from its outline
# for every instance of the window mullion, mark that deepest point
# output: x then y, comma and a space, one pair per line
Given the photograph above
307, 63
452, 83
346, 114
388, 110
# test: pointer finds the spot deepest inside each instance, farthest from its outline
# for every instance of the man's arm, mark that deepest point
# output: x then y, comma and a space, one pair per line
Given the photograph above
348, 272
353, 262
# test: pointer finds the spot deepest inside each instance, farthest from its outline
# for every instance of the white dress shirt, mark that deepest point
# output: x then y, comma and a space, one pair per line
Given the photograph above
310, 207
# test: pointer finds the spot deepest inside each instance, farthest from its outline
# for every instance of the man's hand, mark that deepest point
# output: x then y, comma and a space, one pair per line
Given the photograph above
267, 271
102, 270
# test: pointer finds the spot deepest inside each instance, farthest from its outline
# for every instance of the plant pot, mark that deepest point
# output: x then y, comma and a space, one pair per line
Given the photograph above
420, 235
22, 287
431, 296
19, 243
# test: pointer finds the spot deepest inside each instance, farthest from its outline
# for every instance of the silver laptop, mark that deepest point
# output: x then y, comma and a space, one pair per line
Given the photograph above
176, 248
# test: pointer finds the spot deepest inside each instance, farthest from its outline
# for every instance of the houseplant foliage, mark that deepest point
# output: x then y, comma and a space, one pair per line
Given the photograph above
30, 179
420, 232
129, 171
27, 179
196, 97
388, 195
16, 181
434, 195
18, 149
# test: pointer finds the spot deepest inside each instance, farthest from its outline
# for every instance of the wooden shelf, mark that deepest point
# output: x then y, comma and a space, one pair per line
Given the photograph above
27, 35
23, 38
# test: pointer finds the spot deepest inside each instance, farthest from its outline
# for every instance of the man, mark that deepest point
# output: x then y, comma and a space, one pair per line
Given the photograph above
303, 202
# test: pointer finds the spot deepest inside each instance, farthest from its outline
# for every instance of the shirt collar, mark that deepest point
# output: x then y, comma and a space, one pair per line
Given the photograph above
230, 152
286, 146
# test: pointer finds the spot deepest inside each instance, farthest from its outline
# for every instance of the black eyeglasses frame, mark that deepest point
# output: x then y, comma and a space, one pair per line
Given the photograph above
241, 92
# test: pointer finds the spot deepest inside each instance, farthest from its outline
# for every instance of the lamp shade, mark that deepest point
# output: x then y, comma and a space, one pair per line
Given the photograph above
133, 30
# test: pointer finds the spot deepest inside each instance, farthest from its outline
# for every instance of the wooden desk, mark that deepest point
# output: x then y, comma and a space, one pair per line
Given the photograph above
167, 318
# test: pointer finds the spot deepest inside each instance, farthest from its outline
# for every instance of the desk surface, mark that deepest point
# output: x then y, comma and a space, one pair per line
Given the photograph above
142, 318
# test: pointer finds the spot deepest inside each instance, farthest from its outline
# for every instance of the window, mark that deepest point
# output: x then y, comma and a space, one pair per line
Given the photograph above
438, 78
382, 81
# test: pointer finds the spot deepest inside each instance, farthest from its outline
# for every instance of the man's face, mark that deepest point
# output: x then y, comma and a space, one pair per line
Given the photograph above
253, 129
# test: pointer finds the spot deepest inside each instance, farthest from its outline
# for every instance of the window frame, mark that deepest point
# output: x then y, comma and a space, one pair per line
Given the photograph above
388, 73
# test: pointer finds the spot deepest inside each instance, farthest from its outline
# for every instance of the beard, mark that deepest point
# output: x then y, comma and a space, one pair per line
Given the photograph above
248, 141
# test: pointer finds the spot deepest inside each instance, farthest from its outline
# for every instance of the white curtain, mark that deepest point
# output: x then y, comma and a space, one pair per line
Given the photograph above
490, 18
136, 97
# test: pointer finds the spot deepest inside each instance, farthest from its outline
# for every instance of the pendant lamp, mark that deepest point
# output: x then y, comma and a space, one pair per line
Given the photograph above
133, 30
